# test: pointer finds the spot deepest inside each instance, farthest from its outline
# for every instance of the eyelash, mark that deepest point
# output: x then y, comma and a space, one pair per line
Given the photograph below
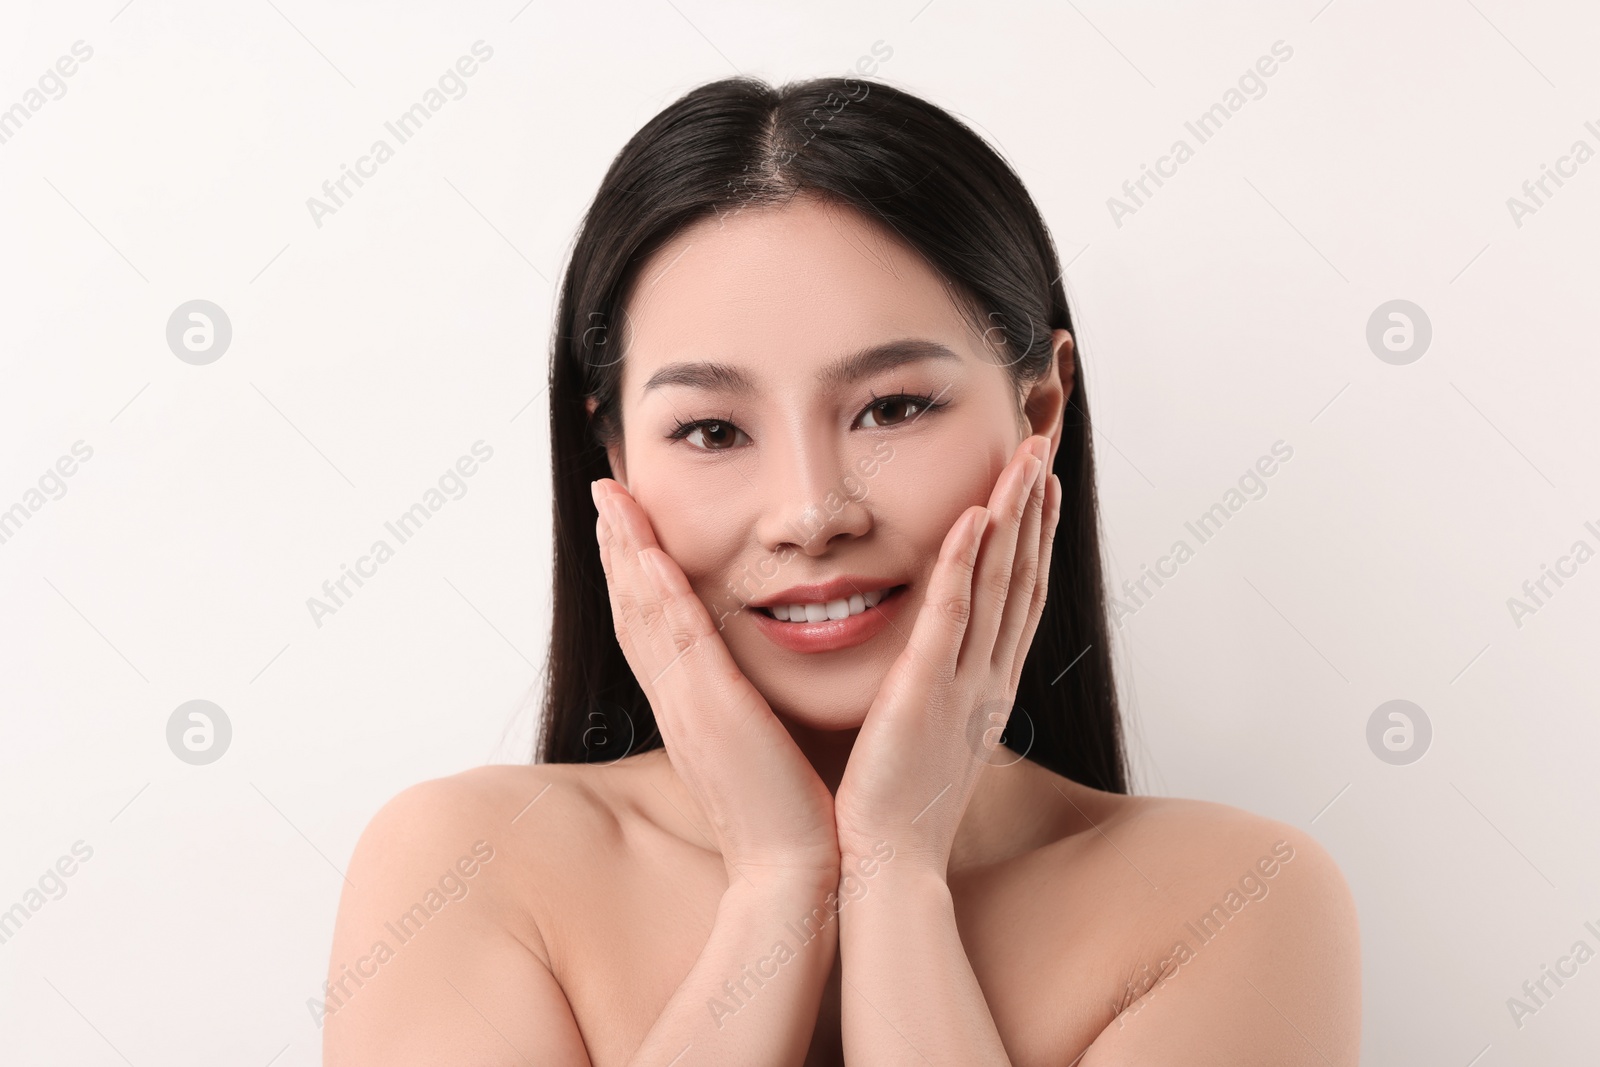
925, 401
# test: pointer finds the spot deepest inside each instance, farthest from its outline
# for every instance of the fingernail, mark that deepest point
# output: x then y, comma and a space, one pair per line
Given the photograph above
594, 491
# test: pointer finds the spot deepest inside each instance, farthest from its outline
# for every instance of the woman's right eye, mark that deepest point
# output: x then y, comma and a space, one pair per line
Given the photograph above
715, 433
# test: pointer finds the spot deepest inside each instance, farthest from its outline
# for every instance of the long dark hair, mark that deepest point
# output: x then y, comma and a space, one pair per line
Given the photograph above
921, 172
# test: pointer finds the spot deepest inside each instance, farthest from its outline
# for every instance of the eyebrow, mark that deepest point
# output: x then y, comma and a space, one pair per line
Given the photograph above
734, 381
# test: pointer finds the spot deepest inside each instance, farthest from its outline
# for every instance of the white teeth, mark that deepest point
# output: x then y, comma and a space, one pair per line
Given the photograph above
843, 608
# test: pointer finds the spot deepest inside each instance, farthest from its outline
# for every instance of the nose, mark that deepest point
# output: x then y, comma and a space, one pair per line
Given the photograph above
812, 495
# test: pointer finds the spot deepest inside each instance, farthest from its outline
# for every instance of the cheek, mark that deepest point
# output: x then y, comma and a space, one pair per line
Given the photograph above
707, 535
923, 494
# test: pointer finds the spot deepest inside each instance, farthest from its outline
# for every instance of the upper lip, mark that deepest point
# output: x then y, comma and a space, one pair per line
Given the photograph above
842, 588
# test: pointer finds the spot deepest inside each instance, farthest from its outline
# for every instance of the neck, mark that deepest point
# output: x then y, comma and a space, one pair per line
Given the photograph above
827, 750
1011, 808
996, 809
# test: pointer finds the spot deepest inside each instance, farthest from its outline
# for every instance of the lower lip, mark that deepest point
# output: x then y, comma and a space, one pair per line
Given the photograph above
830, 635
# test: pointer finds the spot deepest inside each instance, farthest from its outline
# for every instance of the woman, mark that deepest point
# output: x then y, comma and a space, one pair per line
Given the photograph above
825, 525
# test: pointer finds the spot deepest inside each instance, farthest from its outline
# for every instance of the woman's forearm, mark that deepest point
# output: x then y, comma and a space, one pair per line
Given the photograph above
909, 994
752, 996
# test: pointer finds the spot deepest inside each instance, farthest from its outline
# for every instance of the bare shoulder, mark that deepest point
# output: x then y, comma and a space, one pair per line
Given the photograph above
436, 937
496, 797
1249, 943
1218, 862
1206, 836
488, 789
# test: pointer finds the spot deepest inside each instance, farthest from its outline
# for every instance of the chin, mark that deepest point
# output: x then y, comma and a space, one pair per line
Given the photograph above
821, 719
827, 693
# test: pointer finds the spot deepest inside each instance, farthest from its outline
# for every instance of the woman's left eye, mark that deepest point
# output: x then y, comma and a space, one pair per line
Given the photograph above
907, 408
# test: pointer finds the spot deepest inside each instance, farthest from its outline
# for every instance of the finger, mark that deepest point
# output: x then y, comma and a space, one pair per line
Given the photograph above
686, 663
623, 601
1024, 576
636, 607
1041, 588
701, 672
937, 634
992, 581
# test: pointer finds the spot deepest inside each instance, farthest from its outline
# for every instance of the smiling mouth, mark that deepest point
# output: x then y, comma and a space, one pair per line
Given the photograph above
833, 610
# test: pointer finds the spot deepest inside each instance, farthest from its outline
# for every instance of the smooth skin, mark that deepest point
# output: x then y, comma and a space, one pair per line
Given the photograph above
821, 866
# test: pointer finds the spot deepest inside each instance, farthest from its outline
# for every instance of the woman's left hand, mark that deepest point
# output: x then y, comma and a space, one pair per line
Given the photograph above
919, 753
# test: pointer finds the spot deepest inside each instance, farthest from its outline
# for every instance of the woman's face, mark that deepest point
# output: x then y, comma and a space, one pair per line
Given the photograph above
808, 464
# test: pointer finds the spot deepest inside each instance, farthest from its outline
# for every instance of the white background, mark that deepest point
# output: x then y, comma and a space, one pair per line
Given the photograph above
1227, 313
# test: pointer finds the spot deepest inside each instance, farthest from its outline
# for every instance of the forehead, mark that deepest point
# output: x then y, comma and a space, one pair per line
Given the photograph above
782, 290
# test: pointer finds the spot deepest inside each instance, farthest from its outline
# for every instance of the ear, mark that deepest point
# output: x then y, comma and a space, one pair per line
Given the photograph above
1046, 403
614, 455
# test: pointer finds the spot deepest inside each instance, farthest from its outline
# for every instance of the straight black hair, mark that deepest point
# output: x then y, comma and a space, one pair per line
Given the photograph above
925, 175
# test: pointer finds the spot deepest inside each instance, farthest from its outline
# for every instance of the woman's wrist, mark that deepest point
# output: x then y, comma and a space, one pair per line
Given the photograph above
901, 874
787, 883
871, 860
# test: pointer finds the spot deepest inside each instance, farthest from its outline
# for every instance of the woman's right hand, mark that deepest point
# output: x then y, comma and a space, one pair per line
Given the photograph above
771, 815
